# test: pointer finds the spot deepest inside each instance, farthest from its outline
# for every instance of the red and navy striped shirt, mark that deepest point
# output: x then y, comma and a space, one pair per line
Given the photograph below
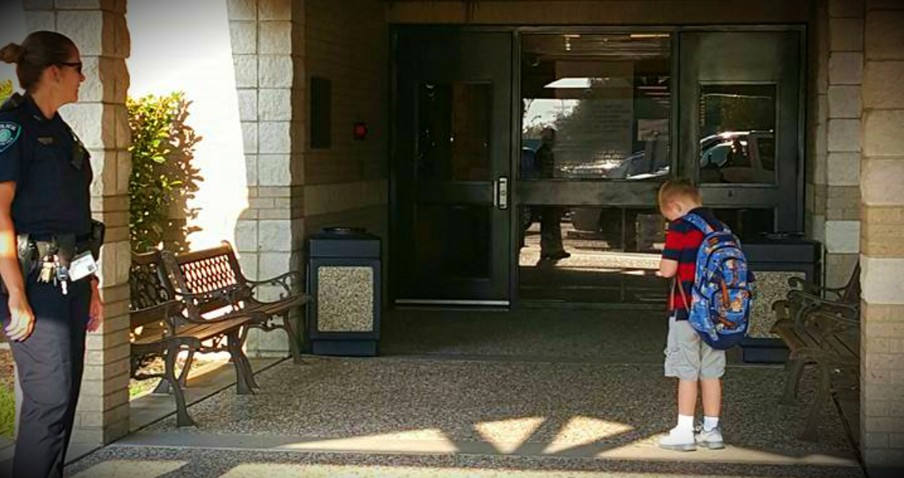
681, 243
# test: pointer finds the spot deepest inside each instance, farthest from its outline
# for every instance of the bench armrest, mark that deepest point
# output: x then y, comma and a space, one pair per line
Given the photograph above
803, 285
165, 313
229, 297
801, 303
289, 281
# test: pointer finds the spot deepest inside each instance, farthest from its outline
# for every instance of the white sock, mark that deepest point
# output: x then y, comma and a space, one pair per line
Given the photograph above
710, 422
685, 422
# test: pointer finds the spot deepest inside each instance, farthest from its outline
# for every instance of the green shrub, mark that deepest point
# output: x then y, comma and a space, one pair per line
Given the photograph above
7, 412
163, 179
6, 90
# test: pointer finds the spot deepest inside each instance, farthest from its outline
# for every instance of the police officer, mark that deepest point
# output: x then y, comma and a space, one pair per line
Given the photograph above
551, 248
45, 227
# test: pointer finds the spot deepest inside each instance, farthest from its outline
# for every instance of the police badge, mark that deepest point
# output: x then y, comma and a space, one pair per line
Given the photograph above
9, 133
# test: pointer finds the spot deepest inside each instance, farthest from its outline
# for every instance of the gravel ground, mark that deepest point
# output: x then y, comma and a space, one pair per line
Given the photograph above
170, 463
574, 383
565, 405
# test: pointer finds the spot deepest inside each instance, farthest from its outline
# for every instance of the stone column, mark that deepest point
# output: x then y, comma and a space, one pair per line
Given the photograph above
100, 118
267, 44
817, 106
839, 176
882, 209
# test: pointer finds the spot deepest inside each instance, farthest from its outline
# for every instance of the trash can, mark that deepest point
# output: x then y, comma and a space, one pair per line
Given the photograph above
343, 279
775, 259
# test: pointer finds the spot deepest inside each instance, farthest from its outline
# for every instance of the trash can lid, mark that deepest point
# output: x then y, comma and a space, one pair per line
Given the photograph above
343, 230
344, 242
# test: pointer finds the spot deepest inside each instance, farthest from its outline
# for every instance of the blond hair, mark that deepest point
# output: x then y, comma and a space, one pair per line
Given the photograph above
678, 189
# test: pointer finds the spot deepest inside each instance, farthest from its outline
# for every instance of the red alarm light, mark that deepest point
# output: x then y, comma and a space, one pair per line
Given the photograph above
360, 131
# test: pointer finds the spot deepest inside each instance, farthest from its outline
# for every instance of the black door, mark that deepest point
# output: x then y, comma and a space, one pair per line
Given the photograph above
450, 167
741, 126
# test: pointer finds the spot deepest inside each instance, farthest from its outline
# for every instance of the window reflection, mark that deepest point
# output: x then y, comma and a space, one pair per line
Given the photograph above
738, 134
591, 254
454, 131
748, 223
606, 98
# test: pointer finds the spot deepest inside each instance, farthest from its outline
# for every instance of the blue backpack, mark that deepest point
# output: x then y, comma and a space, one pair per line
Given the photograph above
723, 287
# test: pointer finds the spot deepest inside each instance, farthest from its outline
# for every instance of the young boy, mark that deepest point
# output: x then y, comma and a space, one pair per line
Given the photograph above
687, 357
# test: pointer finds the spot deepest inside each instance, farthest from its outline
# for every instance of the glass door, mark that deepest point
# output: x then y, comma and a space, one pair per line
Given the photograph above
450, 167
596, 109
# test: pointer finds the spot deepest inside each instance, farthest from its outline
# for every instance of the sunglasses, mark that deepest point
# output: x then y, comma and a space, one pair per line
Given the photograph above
75, 64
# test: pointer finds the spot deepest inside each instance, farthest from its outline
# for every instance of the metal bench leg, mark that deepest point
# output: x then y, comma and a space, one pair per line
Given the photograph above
164, 386
183, 376
242, 382
794, 368
183, 419
293, 340
249, 372
811, 432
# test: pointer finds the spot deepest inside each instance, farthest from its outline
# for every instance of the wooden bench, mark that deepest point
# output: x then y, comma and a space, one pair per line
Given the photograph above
159, 328
212, 282
823, 332
805, 298
831, 342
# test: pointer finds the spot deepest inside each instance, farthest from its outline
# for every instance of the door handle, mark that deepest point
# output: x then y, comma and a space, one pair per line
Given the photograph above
500, 195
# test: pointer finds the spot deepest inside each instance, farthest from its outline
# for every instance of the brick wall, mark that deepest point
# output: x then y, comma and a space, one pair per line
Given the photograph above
833, 173
294, 190
882, 214
345, 184
268, 57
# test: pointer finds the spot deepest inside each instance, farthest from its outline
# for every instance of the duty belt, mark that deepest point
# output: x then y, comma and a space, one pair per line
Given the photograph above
50, 256
64, 245
57, 250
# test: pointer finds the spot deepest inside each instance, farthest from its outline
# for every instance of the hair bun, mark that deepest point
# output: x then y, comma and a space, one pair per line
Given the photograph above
12, 53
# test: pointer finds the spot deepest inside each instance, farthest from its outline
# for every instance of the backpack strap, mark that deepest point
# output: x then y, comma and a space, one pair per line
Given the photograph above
680, 291
705, 227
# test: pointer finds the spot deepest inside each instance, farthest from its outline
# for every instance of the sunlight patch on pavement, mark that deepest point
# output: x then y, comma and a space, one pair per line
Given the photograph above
508, 435
581, 431
731, 454
254, 470
427, 441
131, 469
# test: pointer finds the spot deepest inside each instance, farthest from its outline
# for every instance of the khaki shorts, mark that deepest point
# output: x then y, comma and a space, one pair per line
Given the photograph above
688, 357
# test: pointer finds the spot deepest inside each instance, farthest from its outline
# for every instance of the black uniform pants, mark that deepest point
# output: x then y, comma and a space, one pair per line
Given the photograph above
551, 230
50, 363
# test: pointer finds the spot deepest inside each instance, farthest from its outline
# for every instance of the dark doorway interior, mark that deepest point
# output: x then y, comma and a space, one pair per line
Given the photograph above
451, 163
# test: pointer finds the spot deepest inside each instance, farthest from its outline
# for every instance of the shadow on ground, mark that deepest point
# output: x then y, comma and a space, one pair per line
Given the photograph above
480, 391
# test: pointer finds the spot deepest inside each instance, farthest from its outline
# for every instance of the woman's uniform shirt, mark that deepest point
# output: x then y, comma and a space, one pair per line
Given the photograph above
51, 169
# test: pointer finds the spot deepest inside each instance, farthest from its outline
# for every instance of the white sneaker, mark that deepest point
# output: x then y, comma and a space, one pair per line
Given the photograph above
710, 439
678, 440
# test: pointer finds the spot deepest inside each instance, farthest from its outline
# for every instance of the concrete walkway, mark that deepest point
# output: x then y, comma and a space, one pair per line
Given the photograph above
445, 410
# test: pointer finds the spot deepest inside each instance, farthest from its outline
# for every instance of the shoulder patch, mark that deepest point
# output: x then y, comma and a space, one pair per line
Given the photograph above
9, 133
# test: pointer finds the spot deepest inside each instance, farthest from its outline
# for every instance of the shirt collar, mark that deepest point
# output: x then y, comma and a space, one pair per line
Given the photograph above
36, 112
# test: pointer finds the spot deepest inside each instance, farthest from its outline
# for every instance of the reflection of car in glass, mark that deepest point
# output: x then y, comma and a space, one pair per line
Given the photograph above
637, 166
727, 157
738, 157
730, 152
